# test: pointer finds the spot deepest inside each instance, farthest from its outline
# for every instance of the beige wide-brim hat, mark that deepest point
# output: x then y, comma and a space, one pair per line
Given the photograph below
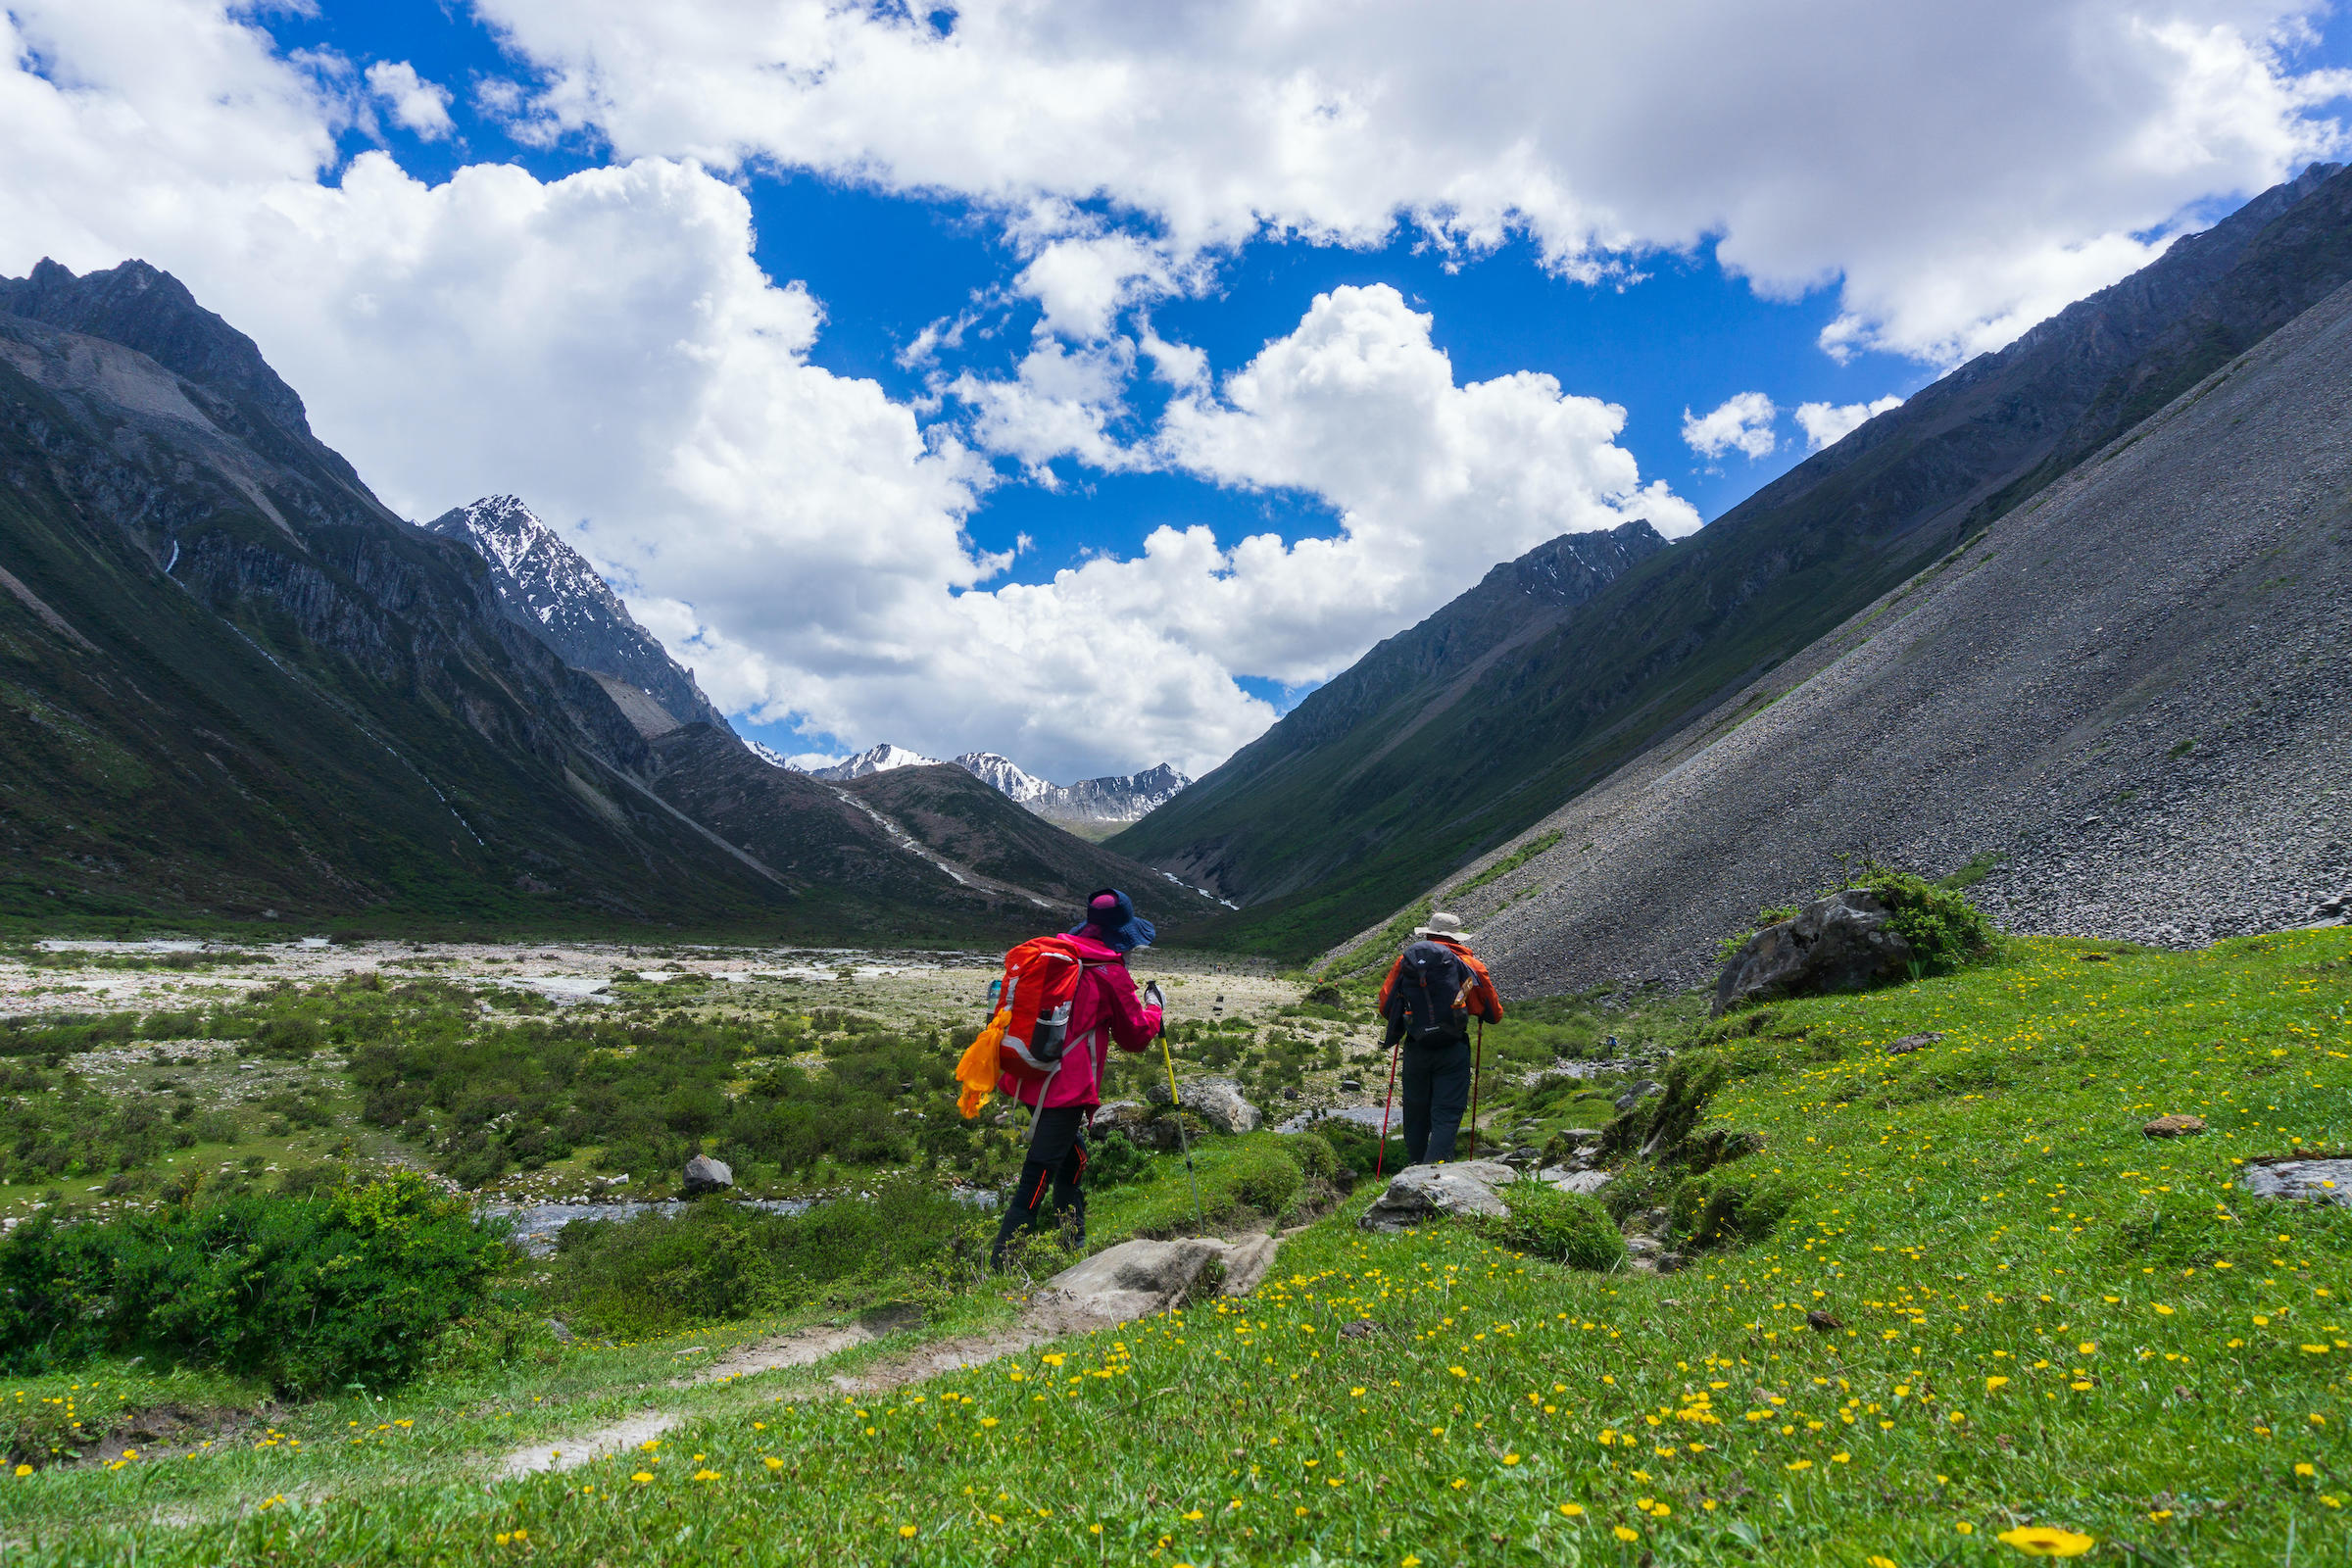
1441, 924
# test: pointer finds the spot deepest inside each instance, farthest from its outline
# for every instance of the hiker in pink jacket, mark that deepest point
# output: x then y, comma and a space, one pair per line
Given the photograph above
1105, 1011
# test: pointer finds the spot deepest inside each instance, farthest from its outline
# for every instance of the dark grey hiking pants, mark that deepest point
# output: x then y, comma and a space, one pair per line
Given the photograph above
1437, 1091
1056, 1168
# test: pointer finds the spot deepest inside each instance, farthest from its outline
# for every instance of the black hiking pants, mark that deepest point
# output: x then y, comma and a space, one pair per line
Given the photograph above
1437, 1091
1056, 1166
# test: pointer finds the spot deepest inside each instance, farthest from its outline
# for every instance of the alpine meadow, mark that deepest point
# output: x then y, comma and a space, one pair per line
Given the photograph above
1023, 784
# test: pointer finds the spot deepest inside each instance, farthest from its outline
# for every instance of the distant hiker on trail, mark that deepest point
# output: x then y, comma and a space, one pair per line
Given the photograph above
1433, 991
1104, 1010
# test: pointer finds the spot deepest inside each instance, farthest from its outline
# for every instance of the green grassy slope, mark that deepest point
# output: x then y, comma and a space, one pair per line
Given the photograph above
1322, 827
2043, 1319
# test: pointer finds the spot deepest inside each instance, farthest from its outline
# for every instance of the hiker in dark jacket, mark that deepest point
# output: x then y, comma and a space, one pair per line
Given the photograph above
1433, 991
1107, 1012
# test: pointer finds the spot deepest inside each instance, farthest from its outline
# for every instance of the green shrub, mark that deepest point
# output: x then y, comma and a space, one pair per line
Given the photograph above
1561, 1227
292, 1038
1113, 1160
1313, 1154
1358, 1148
499, 1333
721, 1260
1264, 1178
1724, 1209
1945, 929
216, 1127
309, 1294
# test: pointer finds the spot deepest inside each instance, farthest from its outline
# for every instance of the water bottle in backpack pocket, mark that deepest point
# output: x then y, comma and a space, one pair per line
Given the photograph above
1041, 986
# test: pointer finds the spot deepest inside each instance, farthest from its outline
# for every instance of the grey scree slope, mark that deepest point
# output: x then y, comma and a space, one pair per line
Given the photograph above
2024, 699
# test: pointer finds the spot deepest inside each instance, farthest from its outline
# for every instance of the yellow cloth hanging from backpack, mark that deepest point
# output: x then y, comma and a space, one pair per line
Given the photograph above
979, 1068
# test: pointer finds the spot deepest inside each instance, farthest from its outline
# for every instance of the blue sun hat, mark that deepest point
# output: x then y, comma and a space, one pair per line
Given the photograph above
1111, 919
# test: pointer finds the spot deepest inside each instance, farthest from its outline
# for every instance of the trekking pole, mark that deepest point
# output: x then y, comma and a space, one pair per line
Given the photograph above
1379, 1160
1478, 1060
1176, 1104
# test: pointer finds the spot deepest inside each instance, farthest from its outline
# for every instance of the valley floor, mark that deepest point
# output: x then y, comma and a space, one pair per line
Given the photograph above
2035, 1317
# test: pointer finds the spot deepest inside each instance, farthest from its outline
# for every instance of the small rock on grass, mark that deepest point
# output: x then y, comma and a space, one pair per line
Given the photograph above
2310, 1179
1636, 1093
1219, 1102
1910, 1043
2175, 1126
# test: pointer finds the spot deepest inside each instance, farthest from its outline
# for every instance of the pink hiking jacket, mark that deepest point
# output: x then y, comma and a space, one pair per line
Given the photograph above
1106, 1009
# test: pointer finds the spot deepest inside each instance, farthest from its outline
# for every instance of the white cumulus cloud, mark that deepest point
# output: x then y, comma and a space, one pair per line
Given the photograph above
412, 102
604, 345
1957, 171
1827, 423
1742, 423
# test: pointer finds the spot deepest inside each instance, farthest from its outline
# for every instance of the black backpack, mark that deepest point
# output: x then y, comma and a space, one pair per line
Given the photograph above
1433, 983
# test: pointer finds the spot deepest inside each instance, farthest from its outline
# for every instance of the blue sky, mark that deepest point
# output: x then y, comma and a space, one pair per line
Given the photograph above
1687, 336
1026, 541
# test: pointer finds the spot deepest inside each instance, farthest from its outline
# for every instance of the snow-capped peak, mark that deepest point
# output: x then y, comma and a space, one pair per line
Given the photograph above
1121, 798
545, 584
503, 529
881, 759
1005, 773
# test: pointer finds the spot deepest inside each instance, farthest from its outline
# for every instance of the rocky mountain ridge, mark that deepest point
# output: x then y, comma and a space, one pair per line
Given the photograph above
2125, 711
1095, 804
234, 684
1296, 807
1340, 814
242, 684
873, 760
546, 586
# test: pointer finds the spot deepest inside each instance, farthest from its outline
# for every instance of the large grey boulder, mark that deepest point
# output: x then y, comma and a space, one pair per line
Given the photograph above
706, 1175
1845, 941
1419, 1193
1215, 1101
1246, 1264
1125, 1114
1136, 1279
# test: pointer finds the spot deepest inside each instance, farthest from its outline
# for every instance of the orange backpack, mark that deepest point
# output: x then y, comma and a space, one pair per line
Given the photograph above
1031, 1027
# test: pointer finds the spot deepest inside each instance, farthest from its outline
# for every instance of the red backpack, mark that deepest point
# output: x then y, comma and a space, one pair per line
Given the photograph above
1040, 985
1031, 1027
